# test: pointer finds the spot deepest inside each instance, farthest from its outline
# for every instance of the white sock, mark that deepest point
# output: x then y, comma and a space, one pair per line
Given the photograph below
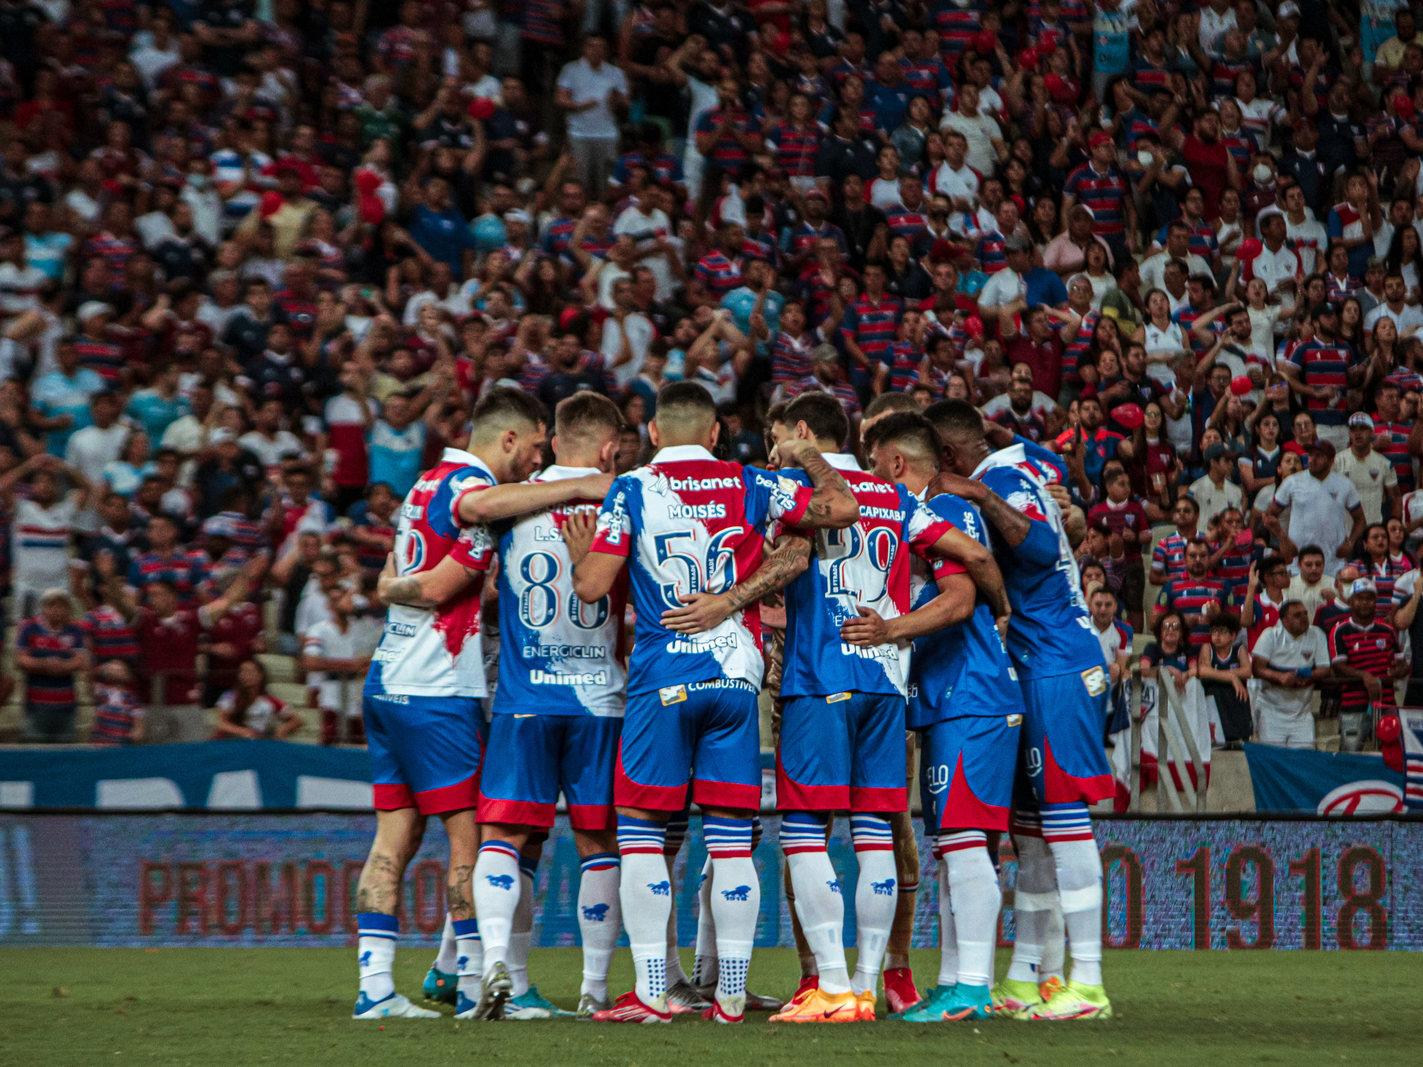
521, 937
1067, 829
1054, 941
704, 962
819, 900
948, 938
645, 896
375, 949
735, 904
876, 891
973, 894
469, 957
1033, 894
496, 897
447, 955
599, 920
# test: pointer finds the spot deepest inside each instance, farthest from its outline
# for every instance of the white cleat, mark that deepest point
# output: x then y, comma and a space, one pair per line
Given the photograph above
395, 1006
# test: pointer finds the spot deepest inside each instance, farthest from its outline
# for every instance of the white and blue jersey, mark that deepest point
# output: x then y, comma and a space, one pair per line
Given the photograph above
1050, 632
964, 669
557, 655
864, 565
436, 651
690, 523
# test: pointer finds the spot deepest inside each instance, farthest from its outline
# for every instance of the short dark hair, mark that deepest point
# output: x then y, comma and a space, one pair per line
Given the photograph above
687, 396
1226, 620
504, 404
1311, 550
585, 413
889, 402
1188, 500
823, 413
907, 429
953, 417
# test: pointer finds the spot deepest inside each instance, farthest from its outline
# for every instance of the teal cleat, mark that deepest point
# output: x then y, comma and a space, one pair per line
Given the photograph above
929, 1009
439, 986
968, 1002
531, 1004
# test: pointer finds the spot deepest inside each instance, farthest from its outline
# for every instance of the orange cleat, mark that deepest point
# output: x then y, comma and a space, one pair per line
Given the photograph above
821, 1007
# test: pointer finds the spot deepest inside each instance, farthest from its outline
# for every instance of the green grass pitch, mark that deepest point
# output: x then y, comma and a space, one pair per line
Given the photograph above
238, 1006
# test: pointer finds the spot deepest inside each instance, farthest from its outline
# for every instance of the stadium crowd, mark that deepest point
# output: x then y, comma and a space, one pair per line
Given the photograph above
259, 258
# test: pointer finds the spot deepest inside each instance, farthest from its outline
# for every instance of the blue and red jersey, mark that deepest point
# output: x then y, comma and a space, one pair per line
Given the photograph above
690, 523
1168, 557
1391, 439
558, 655
964, 669
1105, 194
727, 152
1189, 596
437, 651
184, 571
864, 565
111, 636
717, 273
957, 26
1325, 364
796, 148
1050, 632
38, 640
1370, 649
872, 324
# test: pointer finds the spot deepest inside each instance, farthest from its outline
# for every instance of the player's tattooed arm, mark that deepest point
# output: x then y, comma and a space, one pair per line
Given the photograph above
426, 589
701, 612
832, 505
1011, 525
524, 498
954, 604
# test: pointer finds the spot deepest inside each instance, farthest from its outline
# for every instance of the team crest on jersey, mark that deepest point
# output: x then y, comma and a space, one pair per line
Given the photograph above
672, 694
1027, 502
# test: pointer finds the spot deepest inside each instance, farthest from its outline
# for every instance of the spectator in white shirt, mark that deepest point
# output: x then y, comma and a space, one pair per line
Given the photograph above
101, 443
1277, 264
1288, 659
1372, 473
981, 131
1407, 317
1324, 510
592, 90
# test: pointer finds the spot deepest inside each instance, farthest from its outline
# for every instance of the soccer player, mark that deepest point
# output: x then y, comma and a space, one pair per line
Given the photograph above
967, 704
1065, 686
689, 524
423, 693
841, 741
558, 708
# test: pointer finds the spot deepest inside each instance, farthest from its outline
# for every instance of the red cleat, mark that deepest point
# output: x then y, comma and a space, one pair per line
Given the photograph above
715, 1014
899, 991
629, 1009
808, 985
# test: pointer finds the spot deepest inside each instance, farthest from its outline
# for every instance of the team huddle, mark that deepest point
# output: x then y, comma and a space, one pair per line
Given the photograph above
931, 598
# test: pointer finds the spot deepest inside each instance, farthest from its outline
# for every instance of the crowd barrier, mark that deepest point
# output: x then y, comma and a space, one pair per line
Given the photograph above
170, 879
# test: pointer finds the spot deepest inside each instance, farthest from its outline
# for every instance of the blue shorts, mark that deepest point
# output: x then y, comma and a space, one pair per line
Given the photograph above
705, 733
426, 752
843, 752
531, 758
1064, 755
966, 769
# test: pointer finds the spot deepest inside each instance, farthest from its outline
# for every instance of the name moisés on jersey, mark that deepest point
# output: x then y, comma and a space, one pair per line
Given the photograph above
697, 511
564, 651
550, 678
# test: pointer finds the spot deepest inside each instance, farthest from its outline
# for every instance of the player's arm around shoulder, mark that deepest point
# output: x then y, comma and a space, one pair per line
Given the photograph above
700, 612
599, 545
830, 503
479, 506
428, 589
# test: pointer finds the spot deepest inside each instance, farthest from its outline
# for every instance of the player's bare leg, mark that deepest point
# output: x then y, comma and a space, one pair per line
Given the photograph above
599, 915
398, 835
497, 889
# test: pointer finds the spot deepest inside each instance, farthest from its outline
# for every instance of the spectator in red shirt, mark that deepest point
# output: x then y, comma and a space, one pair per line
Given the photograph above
1128, 531
1040, 347
1212, 167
